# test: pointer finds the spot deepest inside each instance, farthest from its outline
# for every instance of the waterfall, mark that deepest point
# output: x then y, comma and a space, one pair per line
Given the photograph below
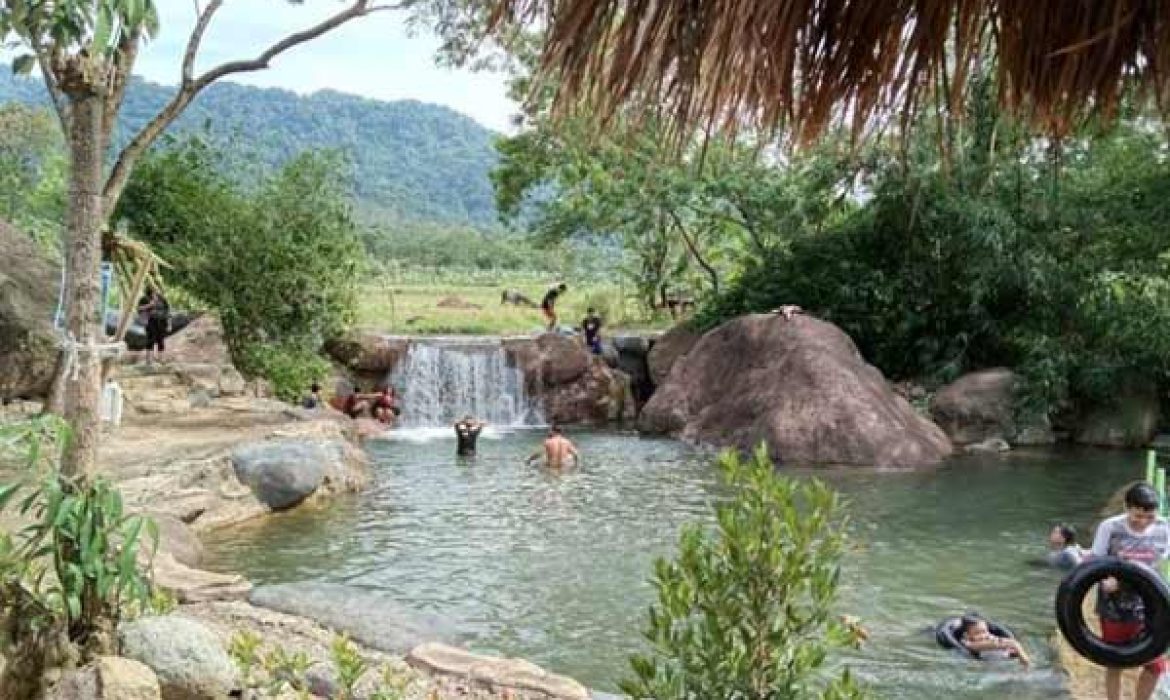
440, 380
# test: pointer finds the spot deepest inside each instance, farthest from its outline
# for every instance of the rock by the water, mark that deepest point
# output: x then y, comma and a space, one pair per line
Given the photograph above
496, 673
991, 445
976, 406
108, 678
571, 384
369, 617
668, 349
282, 473
1130, 420
29, 283
177, 538
1034, 432
368, 354
798, 385
186, 656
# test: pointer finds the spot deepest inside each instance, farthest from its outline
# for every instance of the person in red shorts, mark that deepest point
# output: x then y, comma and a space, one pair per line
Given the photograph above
1138, 535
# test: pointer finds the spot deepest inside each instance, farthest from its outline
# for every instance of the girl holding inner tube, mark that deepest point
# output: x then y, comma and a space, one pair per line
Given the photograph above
1137, 535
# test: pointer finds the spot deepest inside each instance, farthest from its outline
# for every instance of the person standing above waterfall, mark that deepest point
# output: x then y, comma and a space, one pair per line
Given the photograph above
591, 327
556, 450
466, 432
548, 304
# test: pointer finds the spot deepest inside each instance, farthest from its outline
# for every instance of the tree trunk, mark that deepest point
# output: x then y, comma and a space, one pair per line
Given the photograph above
83, 240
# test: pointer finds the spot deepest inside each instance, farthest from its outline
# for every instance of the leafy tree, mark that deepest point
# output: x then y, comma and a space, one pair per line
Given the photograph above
746, 611
29, 144
86, 50
279, 260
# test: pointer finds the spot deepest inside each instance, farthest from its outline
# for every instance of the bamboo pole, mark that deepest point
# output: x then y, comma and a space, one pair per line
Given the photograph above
1151, 465
135, 292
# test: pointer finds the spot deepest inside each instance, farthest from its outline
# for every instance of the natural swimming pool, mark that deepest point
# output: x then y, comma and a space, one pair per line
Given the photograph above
555, 568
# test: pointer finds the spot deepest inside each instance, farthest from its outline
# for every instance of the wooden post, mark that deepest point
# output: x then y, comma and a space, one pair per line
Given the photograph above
132, 303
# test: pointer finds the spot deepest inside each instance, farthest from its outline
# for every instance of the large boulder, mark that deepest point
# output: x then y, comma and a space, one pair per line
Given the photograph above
798, 385
177, 538
976, 406
200, 342
504, 676
668, 349
185, 655
282, 473
570, 384
29, 284
1130, 420
369, 356
108, 678
371, 618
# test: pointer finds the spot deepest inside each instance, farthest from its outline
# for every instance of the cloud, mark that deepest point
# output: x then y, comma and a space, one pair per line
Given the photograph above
373, 56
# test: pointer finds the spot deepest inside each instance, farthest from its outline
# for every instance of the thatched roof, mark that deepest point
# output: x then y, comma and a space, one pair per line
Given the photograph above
806, 64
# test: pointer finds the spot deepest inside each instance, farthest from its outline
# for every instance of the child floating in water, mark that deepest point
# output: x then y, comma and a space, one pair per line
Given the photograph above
978, 639
1063, 551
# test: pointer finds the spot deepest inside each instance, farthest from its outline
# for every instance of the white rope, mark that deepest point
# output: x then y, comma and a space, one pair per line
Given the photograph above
74, 350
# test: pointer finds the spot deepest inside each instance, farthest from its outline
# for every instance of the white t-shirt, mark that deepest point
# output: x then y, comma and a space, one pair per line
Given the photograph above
1114, 538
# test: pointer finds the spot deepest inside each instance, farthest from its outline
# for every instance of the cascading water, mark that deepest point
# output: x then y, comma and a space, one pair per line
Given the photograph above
441, 380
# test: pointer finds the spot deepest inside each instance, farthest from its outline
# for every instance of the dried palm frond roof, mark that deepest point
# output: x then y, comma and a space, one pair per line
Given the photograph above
807, 64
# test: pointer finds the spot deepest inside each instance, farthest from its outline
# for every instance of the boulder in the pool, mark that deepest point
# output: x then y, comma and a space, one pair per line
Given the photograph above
370, 617
798, 385
570, 384
284, 472
976, 406
187, 657
368, 354
1129, 419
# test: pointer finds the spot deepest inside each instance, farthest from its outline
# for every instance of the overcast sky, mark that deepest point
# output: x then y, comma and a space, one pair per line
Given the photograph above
371, 56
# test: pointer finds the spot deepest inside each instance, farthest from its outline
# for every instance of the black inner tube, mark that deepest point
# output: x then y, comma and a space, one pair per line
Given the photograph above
1143, 582
946, 633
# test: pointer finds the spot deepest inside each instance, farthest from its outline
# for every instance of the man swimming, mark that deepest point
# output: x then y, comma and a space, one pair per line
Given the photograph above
556, 450
466, 432
548, 304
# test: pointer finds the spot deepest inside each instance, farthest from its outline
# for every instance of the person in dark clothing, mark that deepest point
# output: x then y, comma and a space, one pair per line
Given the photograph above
313, 398
157, 315
466, 433
591, 327
548, 304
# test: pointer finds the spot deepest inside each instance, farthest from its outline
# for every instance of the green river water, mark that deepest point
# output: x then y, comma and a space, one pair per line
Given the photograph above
554, 568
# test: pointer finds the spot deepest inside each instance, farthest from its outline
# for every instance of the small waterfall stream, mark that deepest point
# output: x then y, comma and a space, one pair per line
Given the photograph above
441, 380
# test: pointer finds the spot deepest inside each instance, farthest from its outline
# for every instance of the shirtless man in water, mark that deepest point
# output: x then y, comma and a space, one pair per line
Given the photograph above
556, 450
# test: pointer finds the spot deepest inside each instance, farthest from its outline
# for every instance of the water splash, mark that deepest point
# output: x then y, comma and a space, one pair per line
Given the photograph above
441, 380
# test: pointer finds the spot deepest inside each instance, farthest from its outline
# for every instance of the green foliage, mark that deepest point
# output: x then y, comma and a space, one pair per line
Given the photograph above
279, 261
746, 611
74, 569
244, 648
349, 665
32, 172
411, 161
290, 368
286, 669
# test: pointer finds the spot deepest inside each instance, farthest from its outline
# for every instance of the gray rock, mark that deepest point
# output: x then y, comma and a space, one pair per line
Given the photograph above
107, 678
370, 618
176, 537
186, 656
1129, 420
992, 445
633, 344
976, 406
29, 281
282, 473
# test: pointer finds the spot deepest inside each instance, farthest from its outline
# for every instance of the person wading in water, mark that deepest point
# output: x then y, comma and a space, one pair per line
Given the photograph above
466, 433
556, 451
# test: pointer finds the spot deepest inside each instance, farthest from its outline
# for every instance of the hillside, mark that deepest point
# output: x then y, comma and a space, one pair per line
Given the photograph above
411, 160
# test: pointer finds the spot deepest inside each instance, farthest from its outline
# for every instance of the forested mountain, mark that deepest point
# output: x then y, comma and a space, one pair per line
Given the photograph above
411, 160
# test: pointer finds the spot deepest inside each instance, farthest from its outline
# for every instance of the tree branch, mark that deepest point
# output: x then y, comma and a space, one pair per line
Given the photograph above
127, 54
204, 19
188, 90
694, 250
45, 62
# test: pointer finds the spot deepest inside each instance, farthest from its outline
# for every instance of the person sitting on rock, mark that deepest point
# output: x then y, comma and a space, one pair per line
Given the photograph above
788, 311
591, 327
466, 433
313, 398
385, 405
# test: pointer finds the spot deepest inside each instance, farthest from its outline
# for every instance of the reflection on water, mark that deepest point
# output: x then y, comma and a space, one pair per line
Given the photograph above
554, 568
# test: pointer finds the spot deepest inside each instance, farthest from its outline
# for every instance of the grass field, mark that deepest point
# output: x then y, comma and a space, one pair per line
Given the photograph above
416, 307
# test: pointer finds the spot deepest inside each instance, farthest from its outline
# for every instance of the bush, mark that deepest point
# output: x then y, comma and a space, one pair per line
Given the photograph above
746, 611
69, 577
290, 368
